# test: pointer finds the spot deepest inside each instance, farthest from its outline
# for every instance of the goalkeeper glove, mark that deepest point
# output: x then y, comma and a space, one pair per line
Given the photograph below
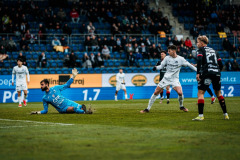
154, 68
35, 112
74, 73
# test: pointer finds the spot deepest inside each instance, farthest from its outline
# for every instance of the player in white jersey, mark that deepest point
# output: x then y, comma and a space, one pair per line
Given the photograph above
21, 71
120, 84
171, 77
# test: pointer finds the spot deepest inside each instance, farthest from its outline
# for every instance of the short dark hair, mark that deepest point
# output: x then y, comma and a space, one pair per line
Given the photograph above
172, 47
163, 52
20, 59
45, 81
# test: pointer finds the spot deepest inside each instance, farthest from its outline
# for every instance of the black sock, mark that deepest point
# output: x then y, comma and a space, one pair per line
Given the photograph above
210, 92
161, 93
168, 94
200, 106
222, 104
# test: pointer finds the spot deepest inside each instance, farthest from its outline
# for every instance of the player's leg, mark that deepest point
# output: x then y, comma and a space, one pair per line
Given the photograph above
161, 96
19, 98
123, 87
152, 99
217, 89
203, 85
74, 107
25, 97
168, 93
178, 89
211, 94
116, 95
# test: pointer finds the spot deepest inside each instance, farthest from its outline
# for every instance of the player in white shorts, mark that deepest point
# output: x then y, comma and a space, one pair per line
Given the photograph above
120, 84
171, 77
21, 71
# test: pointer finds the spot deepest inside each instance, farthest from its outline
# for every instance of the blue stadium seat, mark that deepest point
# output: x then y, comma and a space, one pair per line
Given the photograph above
52, 71
6, 64
53, 64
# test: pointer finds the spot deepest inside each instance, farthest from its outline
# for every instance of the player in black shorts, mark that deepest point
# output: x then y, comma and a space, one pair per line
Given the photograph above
162, 72
210, 64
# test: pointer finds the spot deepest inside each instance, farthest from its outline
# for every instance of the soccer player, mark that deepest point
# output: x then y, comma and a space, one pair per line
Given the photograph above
210, 64
54, 97
120, 84
21, 85
174, 63
162, 72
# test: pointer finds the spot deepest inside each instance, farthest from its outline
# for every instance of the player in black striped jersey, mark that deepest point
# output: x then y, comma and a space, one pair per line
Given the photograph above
162, 72
210, 64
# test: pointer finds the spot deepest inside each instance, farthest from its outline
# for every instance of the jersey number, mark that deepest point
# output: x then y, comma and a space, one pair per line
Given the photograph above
211, 57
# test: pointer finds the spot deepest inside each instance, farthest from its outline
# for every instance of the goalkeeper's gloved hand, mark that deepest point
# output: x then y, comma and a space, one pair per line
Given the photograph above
35, 112
154, 68
74, 73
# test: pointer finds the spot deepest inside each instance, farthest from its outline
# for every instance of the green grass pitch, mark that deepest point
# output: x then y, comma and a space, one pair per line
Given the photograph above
117, 130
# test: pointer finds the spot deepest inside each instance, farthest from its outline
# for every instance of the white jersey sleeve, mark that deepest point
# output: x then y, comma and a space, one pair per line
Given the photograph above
13, 73
27, 73
163, 63
185, 63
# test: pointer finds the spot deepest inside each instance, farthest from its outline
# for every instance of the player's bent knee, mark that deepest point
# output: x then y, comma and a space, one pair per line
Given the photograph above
70, 110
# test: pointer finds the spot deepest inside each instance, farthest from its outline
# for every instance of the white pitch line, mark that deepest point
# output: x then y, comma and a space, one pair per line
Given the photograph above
48, 123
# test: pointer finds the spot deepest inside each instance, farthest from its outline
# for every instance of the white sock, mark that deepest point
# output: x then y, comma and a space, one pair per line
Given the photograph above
180, 100
200, 115
213, 97
115, 97
126, 96
225, 114
151, 101
25, 97
19, 100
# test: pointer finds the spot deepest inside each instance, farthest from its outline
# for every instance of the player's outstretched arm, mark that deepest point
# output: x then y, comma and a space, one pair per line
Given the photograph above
164, 63
44, 111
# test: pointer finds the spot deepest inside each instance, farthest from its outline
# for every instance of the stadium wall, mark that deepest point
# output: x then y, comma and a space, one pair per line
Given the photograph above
87, 87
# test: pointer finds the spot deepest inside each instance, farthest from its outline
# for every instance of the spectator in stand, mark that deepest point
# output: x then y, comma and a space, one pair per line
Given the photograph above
66, 29
94, 43
99, 60
154, 52
227, 45
136, 48
144, 51
131, 60
188, 43
183, 51
125, 21
3, 55
234, 51
119, 45
148, 43
214, 17
235, 65
93, 60
30, 37
42, 33
91, 28
105, 41
73, 60
176, 42
74, 15
114, 29
152, 28
229, 66
106, 52
24, 44
4, 42
124, 41
5, 19
87, 43
159, 48
61, 15
129, 48
112, 44
63, 41
67, 61
83, 29
23, 28
12, 46
21, 56
2, 50
42, 60
169, 42
219, 28
56, 42
86, 62
194, 31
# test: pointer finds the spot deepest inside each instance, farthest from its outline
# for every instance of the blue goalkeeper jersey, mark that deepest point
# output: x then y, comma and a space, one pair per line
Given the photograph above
55, 98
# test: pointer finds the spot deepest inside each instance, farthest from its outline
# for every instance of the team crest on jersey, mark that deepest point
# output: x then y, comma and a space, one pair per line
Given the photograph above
53, 95
176, 61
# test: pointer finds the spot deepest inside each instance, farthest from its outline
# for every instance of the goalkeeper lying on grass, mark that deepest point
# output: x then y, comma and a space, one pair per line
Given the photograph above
54, 97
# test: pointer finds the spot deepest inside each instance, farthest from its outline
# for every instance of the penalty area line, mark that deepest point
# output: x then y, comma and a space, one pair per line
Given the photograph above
27, 121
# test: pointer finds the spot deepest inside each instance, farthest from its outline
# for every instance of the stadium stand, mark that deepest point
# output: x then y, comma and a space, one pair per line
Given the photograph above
140, 26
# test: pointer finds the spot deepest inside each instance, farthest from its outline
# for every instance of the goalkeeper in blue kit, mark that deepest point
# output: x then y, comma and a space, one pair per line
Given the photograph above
54, 97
